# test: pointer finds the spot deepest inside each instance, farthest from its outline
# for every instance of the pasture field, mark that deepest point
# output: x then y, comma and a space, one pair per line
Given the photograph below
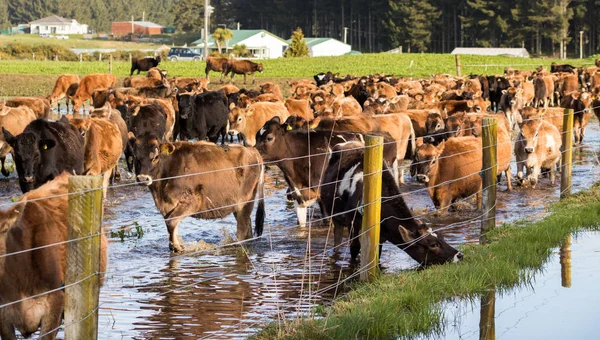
74, 41
407, 305
411, 65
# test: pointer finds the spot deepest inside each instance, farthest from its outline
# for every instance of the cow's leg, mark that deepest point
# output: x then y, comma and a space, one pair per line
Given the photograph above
244, 78
479, 197
534, 176
244, 224
508, 179
444, 203
354, 239
552, 175
172, 226
253, 77
7, 331
301, 214
117, 173
338, 234
52, 320
4, 170
105, 182
520, 168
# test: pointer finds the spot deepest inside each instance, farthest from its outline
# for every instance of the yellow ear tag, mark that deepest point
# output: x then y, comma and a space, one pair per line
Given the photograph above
45, 147
288, 127
165, 150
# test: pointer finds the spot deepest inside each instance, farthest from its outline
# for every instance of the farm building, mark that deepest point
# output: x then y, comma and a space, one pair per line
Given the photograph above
323, 47
493, 51
57, 25
136, 27
261, 43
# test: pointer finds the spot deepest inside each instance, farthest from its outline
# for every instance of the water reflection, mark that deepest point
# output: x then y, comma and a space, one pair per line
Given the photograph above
565, 262
487, 316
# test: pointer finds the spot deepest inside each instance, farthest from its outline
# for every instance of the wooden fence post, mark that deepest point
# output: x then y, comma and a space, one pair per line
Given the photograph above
565, 262
489, 140
458, 65
81, 57
566, 168
110, 60
130, 58
83, 258
100, 56
487, 316
369, 239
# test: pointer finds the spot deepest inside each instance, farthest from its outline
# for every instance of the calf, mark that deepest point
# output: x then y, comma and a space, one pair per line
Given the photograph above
40, 106
115, 117
102, 147
189, 84
44, 150
225, 182
450, 171
143, 64
537, 147
510, 104
342, 193
203, 116
66, 85
218, 65
33, 237
88, 84
14, 120
248, 121
244, 67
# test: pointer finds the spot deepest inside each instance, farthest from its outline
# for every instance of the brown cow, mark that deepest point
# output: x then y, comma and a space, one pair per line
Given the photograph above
377, 106
218, 65
244, 67
29, 225
450, 170
418, 119
88, 84
345, 106
134, 103
233, 179
189, 84
581, 103
267, 97
537, 147
115, 116
14, 120
229, 89
250, 120
40, 106
103, 147
300, 108
66, 85
270, 87
149, 81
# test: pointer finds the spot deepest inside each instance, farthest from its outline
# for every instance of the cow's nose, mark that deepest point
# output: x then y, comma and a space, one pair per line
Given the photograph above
144, 179
430, 139
529, 150
458, 257
422, 178
28, 179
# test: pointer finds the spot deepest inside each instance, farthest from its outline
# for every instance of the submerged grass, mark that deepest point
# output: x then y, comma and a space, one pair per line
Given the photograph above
407, 304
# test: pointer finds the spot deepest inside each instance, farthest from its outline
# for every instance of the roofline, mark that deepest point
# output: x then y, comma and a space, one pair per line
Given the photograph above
233, 31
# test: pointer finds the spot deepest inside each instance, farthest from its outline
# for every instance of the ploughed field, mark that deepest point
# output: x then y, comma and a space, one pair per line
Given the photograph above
231, 292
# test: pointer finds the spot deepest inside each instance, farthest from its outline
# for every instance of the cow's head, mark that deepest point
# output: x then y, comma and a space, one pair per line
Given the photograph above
377, 106
145, 154
267, 138
453, 126
31, 154
260, 68
186, 105
237, 119
425, 161
426, 246
434, 124
529, 135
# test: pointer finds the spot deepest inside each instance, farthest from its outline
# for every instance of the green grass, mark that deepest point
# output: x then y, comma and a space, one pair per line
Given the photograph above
423, 65
74, 41
407, 304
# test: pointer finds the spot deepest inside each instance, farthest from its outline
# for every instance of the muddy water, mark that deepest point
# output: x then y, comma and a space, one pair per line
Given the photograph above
560, 302
230, 293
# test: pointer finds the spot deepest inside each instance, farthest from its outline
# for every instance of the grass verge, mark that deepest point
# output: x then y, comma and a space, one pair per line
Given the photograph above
407, 304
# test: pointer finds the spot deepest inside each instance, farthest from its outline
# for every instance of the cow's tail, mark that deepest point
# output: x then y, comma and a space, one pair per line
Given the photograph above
260, 210
412, 148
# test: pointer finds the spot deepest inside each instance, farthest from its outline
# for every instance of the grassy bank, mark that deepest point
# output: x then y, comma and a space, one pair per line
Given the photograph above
416, 65
406, 304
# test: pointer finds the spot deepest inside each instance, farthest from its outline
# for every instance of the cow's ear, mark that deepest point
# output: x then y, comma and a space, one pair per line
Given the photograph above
276, 120
167, 148
64, 120
47, 144
407, 236
9, 218
250, 111
231, 106
8, 137
470, 103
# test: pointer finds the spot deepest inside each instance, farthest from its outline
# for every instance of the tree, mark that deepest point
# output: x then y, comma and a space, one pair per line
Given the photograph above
410, 23
189, 15
220, 36
298, 46
4, 14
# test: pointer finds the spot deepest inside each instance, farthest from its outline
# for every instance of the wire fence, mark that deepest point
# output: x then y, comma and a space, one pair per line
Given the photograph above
306, 293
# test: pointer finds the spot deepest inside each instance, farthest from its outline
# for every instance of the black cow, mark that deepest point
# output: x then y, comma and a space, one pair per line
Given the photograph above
44, 150
497, 85
143, 64
341, 196
146, 126
359, 92
202, 116
554, 67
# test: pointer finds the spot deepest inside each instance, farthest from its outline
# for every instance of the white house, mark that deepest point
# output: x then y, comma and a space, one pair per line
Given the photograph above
261, 43
57, 25
324, 47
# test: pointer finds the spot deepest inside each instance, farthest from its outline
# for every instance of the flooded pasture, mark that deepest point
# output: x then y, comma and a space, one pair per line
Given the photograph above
559, 302
231, 292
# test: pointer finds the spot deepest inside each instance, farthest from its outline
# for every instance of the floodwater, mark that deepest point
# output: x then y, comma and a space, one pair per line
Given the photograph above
232, 292
559, 302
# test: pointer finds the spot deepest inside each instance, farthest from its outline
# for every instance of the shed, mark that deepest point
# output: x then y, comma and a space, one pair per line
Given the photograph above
323, 47
261, 43
493, 51
136, 27
57, 25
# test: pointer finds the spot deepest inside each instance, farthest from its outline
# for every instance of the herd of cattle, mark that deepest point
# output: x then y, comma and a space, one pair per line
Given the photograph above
315, 136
